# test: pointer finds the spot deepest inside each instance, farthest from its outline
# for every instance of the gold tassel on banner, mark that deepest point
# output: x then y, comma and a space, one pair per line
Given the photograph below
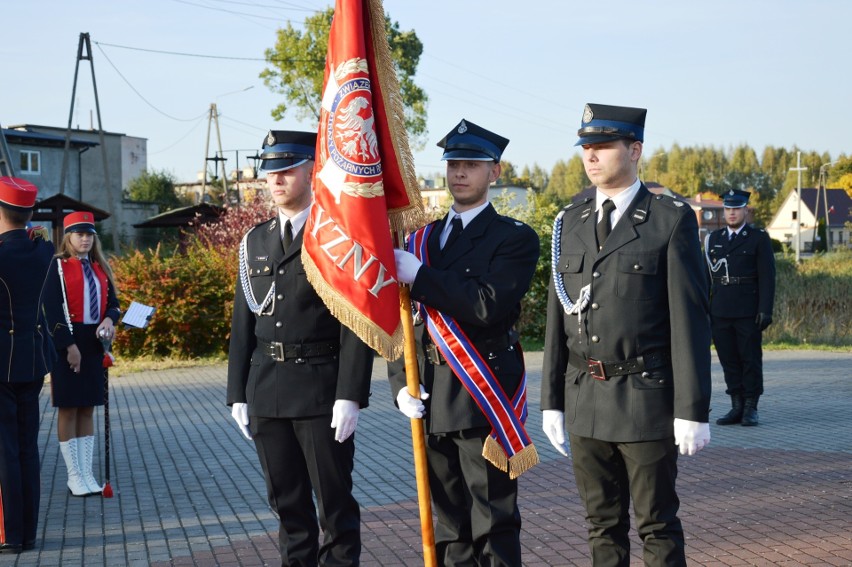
411, 217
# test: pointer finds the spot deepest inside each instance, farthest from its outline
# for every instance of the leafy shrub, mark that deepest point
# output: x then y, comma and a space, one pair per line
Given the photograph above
192, 288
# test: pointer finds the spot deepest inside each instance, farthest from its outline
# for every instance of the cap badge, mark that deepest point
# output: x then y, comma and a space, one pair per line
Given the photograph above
731, 192
462, 127
587, 114
270, 139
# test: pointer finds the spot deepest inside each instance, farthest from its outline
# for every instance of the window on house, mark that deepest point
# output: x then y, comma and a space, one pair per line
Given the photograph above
794, 215
30, 162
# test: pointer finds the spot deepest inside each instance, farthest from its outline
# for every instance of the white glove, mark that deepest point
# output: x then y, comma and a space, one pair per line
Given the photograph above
553, 423
344, 419
412, 407
239, 412
691, 436
407, 265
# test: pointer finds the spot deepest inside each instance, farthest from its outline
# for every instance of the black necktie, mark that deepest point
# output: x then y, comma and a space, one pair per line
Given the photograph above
604, 226
455, 231
287, 239
732, 236
94, 308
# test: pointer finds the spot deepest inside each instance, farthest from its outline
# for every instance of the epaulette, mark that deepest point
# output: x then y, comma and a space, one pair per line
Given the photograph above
511, 221
671, 201
576, 204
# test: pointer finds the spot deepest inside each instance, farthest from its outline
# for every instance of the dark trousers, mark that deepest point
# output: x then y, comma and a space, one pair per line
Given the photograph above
738, 344
607, 475
476, 503
299, 456
19, 461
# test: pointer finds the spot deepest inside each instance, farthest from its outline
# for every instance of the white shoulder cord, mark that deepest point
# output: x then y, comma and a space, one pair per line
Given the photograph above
713, 266
569, 306
253, 305
64, 295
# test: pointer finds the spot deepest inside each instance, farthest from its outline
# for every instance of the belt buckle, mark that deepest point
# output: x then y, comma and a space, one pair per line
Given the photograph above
725, 280
434, 355
596, 369
277, 352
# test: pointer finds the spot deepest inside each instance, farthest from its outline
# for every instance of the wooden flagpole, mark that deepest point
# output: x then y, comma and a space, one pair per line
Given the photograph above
418, 435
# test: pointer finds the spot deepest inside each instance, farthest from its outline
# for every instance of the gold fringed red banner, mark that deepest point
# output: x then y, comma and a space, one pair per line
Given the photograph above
364, 181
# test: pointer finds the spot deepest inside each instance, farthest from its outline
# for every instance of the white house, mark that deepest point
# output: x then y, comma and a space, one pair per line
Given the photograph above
814, 206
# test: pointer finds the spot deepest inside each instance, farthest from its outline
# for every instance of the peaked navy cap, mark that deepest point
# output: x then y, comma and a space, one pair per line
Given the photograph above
735, 198
604, 123
471, 142
285, 149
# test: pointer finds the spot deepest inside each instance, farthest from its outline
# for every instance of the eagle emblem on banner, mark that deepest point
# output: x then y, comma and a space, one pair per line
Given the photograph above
348, 129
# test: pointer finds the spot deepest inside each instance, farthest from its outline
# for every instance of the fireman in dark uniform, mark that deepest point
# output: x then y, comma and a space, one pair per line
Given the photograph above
476, 267
297, 378
25, 358
627, 346
742, 267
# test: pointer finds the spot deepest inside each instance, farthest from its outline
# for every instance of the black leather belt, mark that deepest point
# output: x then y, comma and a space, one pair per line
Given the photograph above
279, 352
604, 370
485, 347
725, 280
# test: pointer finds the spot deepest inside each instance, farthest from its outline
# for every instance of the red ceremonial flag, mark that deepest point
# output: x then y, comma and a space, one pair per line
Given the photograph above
364, 182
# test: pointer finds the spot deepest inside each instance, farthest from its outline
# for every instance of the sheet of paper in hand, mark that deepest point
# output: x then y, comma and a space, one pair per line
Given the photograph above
138, 315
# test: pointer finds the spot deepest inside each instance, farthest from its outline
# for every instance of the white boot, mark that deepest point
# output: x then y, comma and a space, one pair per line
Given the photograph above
76, 484
85, 451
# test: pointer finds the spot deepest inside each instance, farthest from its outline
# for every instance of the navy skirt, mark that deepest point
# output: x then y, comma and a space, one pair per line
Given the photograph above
86, 388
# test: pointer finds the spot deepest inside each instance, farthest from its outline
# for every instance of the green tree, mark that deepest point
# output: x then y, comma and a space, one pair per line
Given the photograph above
156, 187
566, 180
297, 65
508, 174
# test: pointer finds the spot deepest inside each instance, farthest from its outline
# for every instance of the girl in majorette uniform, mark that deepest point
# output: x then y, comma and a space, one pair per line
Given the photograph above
82, 311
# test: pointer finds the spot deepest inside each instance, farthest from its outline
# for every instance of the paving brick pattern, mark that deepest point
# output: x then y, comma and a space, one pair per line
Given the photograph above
189, 491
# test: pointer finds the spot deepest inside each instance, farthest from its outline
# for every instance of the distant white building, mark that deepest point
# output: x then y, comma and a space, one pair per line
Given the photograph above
437, 199
838, 210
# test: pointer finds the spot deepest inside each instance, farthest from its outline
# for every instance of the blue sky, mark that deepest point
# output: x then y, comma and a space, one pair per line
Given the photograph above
721, 73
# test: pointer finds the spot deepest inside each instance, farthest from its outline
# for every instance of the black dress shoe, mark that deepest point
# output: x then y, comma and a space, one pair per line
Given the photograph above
10, 548
28, 545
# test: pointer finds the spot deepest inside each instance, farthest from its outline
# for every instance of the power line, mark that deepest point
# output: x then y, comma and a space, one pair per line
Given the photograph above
140, 94
203, 56
182, 138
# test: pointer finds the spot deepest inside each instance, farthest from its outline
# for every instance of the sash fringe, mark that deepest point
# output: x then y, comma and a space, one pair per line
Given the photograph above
519, 463
388, 346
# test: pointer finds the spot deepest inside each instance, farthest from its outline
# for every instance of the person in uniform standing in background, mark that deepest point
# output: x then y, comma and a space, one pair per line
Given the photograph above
82, 308
25, 358
297, 377
742, 293
470, 269
627, 345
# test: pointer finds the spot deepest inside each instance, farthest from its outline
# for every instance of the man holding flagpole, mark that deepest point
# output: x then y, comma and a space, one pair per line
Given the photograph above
468, 273
297, 377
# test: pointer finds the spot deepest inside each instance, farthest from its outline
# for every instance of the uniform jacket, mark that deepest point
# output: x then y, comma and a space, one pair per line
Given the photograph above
297, 315
72, 270
648, 294
479, 281
748, 256
26, 353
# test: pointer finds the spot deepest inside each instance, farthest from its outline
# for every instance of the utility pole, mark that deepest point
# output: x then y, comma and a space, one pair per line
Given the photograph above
85, 45
799, 169
213, 117
6, 168
822, 189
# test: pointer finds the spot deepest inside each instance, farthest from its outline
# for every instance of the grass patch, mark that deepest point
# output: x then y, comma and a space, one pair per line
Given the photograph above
129, 366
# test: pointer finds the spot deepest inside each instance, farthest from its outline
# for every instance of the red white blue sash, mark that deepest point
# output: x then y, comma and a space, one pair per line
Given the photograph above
508, 447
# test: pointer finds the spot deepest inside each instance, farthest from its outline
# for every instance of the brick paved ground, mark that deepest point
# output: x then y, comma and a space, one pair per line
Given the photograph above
189, 490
